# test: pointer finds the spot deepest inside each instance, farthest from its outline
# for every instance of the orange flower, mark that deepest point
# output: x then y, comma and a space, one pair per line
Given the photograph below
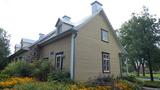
15, 80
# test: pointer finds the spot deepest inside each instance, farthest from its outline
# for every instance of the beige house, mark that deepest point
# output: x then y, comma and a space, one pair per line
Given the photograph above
87, 50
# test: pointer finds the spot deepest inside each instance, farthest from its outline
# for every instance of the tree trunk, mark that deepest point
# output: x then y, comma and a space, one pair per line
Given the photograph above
150, 66
137, 68
138, 71
143, 69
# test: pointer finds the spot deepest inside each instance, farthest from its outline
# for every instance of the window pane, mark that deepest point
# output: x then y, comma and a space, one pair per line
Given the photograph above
108, 67
58, 62
106, 62
104, 35
105, 65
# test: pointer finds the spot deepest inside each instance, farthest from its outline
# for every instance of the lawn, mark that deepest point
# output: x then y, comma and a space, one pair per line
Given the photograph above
155, 75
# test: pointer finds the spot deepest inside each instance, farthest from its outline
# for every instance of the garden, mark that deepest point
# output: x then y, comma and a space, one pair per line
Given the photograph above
38, 75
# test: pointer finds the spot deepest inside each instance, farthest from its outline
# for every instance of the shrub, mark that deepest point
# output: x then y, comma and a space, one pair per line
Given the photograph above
41, 69
42, 86
3, 76
58, 86
19, 68
105, 80
123, 85
132, 79
135, 83
154, 84
59, 76
84, 87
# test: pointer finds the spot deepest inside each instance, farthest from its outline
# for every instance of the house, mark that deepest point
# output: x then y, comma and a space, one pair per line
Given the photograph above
87, 50
21, 50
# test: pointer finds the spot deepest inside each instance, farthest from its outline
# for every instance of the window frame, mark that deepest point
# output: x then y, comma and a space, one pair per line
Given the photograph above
102, 35
106, 71
61, 54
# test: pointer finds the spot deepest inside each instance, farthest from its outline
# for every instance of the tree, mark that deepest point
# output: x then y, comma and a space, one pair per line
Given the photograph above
140, 36
4, 48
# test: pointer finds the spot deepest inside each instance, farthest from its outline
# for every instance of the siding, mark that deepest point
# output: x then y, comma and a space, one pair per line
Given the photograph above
61, 45
89, 48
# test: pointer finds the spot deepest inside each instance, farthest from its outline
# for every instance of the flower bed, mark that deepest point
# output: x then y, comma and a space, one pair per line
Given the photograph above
14, 81
76, 87
122, 85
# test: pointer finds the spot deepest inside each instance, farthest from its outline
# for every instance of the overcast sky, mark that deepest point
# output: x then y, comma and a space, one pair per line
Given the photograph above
28, 18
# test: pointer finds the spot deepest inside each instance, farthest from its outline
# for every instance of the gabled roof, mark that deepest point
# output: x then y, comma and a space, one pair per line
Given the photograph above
22, 50
78, 27
46, 37
53, 35
63, 21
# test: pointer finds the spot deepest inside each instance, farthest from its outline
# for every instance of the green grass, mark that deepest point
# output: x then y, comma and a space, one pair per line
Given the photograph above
154, 84
148, 75
157, 75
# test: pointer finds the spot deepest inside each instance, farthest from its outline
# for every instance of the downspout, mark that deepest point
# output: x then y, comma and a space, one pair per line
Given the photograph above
73, 53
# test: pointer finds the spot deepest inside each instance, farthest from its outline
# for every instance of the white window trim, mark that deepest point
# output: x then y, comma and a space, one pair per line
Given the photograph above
107, 59
102, 39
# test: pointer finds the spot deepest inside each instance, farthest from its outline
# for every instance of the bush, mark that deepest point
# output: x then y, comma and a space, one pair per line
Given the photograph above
132, 79
3, 76
19, 68
42, 86
154, 84
105, 80
58, 86
41, 69
59, 76
123, 85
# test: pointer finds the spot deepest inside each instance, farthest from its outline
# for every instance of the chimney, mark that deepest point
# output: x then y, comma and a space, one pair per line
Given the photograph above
17, 47
96, 6
66, 18
41, 35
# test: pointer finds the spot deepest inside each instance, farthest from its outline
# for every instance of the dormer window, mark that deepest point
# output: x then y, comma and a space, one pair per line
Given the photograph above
59, 29
63, 24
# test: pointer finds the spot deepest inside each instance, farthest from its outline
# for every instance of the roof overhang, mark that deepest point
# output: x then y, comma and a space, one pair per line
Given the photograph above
60, 36
18, 53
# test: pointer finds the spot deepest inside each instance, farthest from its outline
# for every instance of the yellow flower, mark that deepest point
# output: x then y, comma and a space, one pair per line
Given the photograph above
15, 80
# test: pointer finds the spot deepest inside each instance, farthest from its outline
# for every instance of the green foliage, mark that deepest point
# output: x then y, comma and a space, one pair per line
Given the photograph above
42, 86
59, 76
19, 68
140, 36
155, 84
101, 80
3, 76
38, 69
4, 48
132, 79
133, 86
41, 69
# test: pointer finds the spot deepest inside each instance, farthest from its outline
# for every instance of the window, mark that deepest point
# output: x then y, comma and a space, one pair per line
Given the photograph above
105, 62
51, 53
104, 35
59, 61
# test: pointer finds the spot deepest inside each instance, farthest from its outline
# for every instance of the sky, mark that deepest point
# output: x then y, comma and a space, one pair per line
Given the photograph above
28, 18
